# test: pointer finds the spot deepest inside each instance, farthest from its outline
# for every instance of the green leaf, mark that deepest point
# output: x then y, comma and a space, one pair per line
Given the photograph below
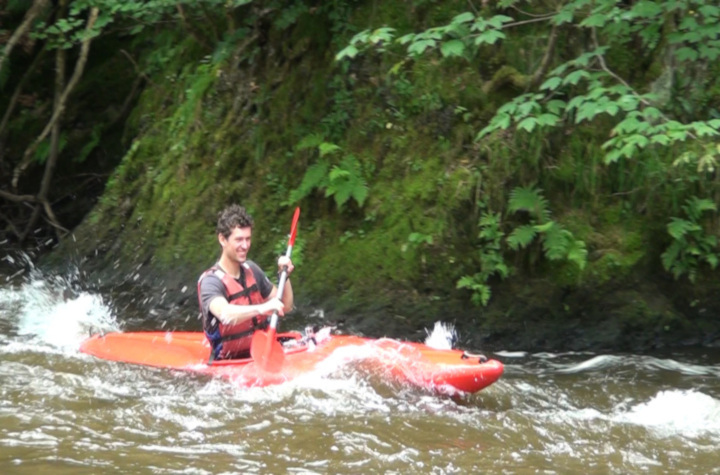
555, 106
595, 20
405, 39
548, 119
528, 124
709, 11
452, 48
489, 37
463, 18
498, 20
563, 16
551, 84
347, 52
660, 139
575, 77
647, 9
381, 35
712, 260
686, 54
419, 47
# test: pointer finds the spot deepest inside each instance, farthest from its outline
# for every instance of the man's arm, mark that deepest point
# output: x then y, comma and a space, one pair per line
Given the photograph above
212, 296
230, 313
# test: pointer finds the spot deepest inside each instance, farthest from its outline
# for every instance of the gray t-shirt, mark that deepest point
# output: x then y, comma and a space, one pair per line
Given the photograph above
211, 286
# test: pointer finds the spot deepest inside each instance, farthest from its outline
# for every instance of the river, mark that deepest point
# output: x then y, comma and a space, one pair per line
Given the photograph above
64, 412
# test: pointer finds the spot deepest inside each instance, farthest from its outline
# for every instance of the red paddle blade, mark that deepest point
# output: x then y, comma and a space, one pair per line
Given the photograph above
293, 228
266, 351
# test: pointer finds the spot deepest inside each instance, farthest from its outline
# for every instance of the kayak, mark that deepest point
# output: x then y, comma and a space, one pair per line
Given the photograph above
447, 372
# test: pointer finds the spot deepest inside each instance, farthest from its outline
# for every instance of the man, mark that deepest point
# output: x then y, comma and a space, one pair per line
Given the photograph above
235, 295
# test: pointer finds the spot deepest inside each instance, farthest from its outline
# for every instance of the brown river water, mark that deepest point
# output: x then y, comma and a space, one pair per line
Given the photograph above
64, 412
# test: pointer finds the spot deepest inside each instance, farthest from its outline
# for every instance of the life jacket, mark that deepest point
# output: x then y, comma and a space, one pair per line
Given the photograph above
233, 340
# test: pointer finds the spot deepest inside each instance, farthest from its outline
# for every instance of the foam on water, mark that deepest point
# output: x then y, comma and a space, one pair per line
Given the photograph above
49, 315
676, 412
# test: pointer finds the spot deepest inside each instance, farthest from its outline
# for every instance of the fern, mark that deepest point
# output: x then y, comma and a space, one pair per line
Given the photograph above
310, 141
678, 228
577, 253
531, 201
691, 246
558, 243
521, 237
315, 177
491, 260
694, 207
344, 181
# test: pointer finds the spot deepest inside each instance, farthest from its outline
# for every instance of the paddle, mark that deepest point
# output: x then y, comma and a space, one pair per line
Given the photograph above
264, 348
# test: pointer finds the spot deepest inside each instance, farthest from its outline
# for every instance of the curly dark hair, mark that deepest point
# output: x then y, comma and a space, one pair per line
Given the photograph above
232, 217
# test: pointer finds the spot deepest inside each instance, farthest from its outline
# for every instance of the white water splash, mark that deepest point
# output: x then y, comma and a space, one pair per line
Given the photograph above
50, 313
442, 337
677, 412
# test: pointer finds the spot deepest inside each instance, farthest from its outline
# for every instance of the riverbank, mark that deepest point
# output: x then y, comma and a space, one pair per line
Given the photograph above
634, 314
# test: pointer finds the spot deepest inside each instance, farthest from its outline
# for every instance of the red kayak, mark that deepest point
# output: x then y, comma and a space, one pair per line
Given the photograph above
439, 371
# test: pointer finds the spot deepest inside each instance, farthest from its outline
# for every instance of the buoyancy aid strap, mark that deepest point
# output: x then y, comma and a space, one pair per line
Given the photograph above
243, 293
256, 326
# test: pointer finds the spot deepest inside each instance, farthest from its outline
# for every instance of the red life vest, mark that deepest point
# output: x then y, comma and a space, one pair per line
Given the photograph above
235, 338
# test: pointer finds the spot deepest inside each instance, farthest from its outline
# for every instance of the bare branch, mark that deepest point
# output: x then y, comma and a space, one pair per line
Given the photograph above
547, 59
604, 67
137, 68
17, 198
18, 90
77, 73
37, 7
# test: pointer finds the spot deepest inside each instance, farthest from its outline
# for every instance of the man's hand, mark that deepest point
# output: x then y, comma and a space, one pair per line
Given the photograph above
284, 261
273, 305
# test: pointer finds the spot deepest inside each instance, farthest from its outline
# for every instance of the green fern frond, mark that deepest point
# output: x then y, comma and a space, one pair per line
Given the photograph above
530, 200
327, 148
677, 228
346, 181
577, 253
556, 242
310, 141
521, 237
695, 206
670, 256
315, 177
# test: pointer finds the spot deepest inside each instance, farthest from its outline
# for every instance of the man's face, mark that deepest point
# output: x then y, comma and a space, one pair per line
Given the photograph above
237, 245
